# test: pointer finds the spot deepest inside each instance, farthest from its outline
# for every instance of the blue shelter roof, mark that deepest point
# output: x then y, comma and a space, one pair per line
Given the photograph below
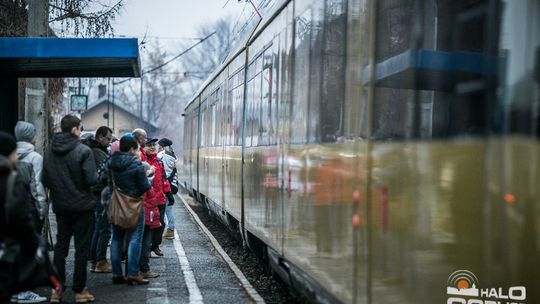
69, 57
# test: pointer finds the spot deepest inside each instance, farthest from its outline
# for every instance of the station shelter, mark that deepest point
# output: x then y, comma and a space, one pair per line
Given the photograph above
60, 57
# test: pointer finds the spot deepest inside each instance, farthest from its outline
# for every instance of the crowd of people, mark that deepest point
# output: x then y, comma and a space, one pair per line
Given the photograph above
81, 178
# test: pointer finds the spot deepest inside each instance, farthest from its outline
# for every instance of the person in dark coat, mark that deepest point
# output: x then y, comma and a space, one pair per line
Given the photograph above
102, 229
128, 174
69, 171
16, 222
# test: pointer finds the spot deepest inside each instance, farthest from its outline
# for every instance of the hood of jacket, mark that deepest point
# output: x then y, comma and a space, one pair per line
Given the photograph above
120, 161
94, 144
64, 142
24, 148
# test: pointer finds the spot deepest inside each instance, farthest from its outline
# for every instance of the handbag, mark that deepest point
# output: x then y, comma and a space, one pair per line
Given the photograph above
124, 210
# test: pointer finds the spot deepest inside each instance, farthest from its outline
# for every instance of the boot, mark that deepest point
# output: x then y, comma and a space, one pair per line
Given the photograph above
57, 295
169, 234
150, 274
84, 296
137, 280
103, 267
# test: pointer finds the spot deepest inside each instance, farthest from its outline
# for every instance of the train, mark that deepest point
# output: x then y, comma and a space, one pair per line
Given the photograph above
379, 151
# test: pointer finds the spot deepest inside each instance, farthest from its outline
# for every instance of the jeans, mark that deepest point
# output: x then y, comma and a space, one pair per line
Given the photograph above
170, 217
134, 239
145, 251
101, 236
157, 234
80, 226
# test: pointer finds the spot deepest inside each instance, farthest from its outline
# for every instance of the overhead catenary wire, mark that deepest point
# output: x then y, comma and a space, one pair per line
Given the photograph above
177, 56
201, 40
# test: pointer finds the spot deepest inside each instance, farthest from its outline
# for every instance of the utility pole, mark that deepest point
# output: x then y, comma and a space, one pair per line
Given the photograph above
36, 109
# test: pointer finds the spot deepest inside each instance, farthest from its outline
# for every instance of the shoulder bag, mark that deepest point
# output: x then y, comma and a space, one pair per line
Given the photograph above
124, 210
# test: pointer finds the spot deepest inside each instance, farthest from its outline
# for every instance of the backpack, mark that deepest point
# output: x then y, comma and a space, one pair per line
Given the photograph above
173, 177
19, 270
173, 181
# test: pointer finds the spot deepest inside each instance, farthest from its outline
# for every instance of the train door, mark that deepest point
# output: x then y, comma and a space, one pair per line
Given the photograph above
233, 149
187, 164
196, 143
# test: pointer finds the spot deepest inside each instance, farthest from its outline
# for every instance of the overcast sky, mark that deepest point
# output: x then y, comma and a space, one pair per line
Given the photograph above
172, 20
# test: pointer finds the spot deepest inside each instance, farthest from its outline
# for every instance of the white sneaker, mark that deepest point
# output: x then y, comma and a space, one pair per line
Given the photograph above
29, 297
153, 255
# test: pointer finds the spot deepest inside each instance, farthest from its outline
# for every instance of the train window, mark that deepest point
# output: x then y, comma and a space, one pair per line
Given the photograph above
519, 106
273, 123
315, 39
257, 94
249, 114
202, 123
436, 102
265, 128
238, 108
208, 124
333, 71
214, 125
301, 77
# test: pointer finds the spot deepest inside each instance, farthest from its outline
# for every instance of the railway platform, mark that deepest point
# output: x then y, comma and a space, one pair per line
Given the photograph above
191, 271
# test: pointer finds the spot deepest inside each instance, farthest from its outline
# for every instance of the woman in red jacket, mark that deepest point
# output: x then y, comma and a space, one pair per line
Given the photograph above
153, 198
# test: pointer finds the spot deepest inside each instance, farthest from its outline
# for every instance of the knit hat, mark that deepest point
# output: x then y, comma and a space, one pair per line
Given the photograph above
25, 131
165, 142
7, 144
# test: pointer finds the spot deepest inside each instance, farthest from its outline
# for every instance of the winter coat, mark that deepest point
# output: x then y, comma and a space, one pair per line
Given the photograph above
69, 171
129, 174
169, 163
16, 222
156, 195
27, 154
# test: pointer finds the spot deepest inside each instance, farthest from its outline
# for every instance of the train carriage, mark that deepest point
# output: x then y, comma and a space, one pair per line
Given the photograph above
369, 149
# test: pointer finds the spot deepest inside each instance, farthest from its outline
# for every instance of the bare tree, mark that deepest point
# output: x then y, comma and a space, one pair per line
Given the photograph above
205, 58
79, 18
163, 93
167, 89
86, 18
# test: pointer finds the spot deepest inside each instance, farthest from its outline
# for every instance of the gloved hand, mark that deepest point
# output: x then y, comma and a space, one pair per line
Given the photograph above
170, 199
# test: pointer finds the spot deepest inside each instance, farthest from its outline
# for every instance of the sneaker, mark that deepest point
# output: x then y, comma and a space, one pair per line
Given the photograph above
84, 296
28, 297
169, 234
153, 255
103, 267
150, 274
56, 296
93, 267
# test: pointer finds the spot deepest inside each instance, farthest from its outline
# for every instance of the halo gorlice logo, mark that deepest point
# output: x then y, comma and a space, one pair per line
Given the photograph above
463, 288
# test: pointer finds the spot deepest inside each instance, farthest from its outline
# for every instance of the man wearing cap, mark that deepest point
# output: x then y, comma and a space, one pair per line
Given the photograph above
25, 133
167, 157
